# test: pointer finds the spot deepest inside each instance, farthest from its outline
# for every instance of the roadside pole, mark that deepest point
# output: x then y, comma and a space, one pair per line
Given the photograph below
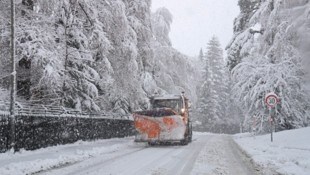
272, 121
271, 130
271, 100
13, 80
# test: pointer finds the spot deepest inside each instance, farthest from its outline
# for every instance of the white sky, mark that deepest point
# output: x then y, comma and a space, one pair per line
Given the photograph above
196, 21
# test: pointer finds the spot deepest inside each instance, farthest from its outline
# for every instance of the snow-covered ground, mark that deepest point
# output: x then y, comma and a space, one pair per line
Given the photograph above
288, 154
208, 154
29, 162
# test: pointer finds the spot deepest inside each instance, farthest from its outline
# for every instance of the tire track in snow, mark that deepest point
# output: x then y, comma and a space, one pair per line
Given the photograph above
62, 168
222, 156
189, 157
209, 154
105, 162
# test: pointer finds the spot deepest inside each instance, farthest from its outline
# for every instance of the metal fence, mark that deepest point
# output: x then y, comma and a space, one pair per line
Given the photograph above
28, 108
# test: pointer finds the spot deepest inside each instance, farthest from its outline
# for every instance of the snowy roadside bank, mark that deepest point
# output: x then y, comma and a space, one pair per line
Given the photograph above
29, 162
289, 154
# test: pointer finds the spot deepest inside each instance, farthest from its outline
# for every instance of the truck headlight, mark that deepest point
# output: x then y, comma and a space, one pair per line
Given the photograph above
183, 110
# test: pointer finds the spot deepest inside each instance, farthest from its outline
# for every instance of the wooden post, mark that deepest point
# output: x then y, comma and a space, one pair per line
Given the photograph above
13, 80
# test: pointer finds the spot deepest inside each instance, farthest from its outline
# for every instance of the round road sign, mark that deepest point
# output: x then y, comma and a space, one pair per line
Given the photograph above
271, 100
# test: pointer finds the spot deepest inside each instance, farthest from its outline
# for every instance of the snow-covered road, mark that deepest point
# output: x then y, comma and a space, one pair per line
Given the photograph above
207, 154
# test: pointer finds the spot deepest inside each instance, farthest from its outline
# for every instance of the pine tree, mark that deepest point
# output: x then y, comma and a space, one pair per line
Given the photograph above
201, 55
212, 89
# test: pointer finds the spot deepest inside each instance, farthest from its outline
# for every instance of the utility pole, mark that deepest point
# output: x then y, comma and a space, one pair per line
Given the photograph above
13, 80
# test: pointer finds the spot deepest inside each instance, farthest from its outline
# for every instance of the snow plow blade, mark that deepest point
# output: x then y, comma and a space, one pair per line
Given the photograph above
159, 125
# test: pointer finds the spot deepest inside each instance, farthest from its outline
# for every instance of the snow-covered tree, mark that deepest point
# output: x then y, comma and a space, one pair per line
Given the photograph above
35, 46
214, 89
173, 71
139, 17
5, 62
237, 49
201, 55
162, 20
81, 45
92, 55
265, 56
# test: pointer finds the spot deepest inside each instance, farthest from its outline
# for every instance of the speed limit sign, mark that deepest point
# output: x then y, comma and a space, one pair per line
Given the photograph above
271, 99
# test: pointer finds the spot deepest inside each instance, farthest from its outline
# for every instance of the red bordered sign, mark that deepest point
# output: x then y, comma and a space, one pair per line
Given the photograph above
271, 100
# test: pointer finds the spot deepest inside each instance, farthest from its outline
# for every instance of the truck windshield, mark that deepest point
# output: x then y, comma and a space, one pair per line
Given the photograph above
176, 105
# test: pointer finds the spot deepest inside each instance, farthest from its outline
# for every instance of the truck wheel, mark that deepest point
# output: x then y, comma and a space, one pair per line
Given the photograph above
151, 143
190, 137
184, 141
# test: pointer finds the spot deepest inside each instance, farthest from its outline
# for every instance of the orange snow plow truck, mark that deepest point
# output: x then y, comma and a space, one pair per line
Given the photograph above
166, 122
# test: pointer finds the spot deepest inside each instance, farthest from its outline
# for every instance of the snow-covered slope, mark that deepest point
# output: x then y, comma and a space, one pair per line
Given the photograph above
289, 153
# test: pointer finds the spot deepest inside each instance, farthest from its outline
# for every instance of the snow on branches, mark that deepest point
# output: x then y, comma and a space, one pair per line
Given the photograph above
270, 62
